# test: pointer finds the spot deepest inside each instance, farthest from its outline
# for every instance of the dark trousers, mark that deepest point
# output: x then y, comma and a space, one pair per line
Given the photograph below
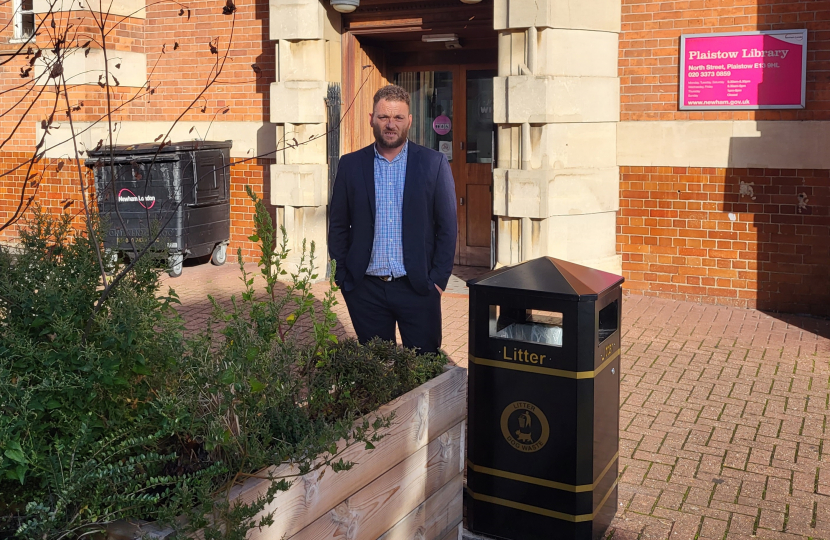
375, 307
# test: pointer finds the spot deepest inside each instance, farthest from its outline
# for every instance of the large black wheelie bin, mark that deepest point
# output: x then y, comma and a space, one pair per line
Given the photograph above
543, 401
181, 190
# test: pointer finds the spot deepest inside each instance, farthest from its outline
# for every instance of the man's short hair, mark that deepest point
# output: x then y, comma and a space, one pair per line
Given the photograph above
391, 92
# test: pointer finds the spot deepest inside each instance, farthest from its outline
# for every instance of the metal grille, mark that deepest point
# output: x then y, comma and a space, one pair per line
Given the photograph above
333, 120
333, 132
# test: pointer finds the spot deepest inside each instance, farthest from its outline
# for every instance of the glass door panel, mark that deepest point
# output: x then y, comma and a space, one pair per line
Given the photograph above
431, 94
452, 113
479, 144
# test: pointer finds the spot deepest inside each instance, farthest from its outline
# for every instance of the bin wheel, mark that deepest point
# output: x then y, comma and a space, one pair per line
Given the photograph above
176, 262
220, 255
110, 260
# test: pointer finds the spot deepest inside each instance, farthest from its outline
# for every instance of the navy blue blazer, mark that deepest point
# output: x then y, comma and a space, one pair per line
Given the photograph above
429, 226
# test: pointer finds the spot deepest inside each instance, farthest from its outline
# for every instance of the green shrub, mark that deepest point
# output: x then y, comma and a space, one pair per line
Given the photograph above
363, 377
58, 381
116, 414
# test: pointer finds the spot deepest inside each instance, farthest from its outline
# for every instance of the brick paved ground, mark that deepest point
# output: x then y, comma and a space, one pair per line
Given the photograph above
723, 423
197, 282
723, 418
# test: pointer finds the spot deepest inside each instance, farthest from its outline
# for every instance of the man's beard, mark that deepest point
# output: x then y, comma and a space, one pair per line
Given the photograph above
378, 131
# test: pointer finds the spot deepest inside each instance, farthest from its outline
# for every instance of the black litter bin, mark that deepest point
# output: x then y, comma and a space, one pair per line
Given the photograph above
186, 192
543, 409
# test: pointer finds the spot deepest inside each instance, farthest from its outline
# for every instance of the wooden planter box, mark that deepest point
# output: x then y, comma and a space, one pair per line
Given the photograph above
408, 487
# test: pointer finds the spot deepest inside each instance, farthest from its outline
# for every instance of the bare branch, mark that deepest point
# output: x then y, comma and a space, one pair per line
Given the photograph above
90, 228
108, 287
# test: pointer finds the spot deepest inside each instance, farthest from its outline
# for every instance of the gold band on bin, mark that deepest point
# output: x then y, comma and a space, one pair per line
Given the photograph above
541, 481
543, 370
542, 511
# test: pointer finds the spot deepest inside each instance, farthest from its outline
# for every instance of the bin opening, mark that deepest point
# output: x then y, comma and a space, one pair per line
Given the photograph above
529, 325
607, 321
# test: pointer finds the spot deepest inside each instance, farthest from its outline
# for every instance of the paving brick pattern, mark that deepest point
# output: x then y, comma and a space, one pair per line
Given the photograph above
199, 281
723, 414
723, 423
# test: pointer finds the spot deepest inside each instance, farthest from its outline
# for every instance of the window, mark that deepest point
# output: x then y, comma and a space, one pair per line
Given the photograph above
480, 116
24, 19
431, 108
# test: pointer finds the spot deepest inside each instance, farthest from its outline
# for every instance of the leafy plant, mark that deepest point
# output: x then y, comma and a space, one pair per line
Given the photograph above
127, 418
94, 481
52, 380
107, 411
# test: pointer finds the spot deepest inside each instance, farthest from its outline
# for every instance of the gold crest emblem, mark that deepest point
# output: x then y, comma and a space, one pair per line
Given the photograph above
525, 426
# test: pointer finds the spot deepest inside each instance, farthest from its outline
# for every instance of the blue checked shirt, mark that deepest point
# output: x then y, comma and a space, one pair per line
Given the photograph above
387, 248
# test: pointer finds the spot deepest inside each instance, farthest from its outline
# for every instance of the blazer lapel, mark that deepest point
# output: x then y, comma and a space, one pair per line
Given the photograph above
369, 176
412, 179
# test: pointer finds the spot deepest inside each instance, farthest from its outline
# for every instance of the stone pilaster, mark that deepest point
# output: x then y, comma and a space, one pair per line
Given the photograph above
307, 36
556, 101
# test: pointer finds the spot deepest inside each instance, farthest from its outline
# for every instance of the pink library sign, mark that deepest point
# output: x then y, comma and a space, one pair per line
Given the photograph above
747, 70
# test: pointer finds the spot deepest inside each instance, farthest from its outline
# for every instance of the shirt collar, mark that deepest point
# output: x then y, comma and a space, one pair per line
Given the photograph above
401, 155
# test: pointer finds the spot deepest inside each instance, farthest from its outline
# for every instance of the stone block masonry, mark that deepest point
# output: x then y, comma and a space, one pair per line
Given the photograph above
307, 37
557, 85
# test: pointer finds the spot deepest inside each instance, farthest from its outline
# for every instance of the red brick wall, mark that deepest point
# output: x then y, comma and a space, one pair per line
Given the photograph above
678, 239
182, 73
179, 63
650, 41
255, 174
45, 185
674, 228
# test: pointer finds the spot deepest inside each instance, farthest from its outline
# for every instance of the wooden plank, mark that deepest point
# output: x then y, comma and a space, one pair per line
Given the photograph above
373, 510
421, 416
434, 17
434, 519
364, 73
385, 23
479, 212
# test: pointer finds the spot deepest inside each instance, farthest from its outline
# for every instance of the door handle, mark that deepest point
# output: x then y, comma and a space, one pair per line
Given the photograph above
461, 201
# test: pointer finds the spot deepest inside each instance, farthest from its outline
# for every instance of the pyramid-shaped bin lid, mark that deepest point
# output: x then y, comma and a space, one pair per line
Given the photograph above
550, 277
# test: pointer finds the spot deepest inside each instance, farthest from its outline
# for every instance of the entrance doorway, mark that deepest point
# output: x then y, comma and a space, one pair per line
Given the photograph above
452, 113
451, 90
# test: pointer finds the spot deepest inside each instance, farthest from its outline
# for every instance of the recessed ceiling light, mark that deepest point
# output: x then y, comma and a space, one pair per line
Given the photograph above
439, 38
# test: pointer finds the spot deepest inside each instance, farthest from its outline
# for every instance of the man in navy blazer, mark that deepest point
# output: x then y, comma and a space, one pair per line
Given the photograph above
392, 230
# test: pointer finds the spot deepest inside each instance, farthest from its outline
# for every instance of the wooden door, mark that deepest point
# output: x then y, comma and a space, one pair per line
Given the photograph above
447, 107
474, 184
